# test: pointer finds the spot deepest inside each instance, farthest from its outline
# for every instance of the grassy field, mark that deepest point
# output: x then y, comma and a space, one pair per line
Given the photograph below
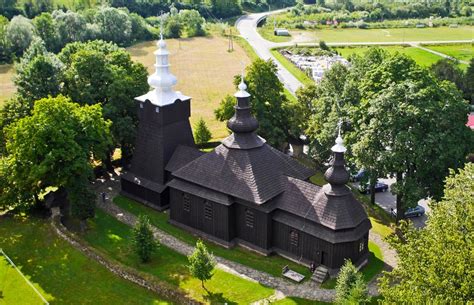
60, 272
205, 71
459, 51
378, 35
422, 57
270, 264
114, 238
7, 88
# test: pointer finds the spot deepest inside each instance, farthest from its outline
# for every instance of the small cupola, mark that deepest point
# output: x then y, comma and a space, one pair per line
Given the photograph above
337, 175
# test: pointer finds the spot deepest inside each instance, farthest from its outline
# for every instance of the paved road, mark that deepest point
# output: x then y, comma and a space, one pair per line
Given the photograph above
247, 26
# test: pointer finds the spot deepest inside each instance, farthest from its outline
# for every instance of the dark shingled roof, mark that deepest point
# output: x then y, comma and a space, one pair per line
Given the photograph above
196, 190
182, 156
315, 203
255, 175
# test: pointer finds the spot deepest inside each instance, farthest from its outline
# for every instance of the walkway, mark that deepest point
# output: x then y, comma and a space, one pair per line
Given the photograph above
247, 26
307, 290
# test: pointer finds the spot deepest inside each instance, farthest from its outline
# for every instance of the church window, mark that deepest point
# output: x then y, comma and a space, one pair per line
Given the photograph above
294, 238
186, 203
249, 218
361, 246
208, 210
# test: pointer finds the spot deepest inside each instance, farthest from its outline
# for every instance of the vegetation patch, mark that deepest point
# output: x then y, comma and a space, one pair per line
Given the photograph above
62, 274
270, 264
114, 239
300, 75
458, 51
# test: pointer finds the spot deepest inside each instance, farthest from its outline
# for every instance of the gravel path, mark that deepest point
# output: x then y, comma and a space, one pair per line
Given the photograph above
307, 290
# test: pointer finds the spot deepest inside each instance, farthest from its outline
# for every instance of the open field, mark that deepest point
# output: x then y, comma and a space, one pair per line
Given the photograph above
205, 71
458, 51
7, 88
114, 239
422, 57
60, 272
377, 35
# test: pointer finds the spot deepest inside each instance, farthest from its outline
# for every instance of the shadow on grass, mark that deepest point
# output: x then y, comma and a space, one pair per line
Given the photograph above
217, 298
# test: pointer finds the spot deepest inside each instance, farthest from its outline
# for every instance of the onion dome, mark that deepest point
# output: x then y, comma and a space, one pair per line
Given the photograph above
336, 174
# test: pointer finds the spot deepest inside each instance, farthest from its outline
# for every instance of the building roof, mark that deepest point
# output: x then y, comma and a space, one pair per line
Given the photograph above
313, 203
255, 175
470, 121
182, 156
196, 190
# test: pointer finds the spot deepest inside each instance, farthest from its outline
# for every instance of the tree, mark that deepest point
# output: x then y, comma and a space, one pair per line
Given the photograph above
435, 262
201, 263
225, 8
172, 27
350, 286
144, 242
202, 134
46, 150
269, 103
38, 74
114, 24
71, 26
47, 30
192, 22
445, 69
226, 110
19, 34
469, 82
4, 52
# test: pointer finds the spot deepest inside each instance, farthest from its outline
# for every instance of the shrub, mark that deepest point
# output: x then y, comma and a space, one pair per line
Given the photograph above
202, 134
201, 263
350, 286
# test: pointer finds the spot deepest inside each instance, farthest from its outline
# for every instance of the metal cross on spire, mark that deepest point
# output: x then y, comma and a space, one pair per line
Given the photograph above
161, 25
339, 126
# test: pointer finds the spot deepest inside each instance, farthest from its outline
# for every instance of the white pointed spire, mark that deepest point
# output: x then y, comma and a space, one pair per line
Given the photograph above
242, 93
339, 147
162, 80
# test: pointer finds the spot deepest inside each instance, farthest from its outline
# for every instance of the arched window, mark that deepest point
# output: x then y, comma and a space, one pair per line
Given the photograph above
249, 218
208, 210
186, 202
294, 238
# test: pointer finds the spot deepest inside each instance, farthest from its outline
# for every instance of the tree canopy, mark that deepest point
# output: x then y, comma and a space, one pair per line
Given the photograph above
436, 262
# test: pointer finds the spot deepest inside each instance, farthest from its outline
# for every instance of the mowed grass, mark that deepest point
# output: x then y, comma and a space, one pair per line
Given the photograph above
459, 51
298, 73
114, 239
60, 272
422, 57
13, 288
7, 87
381, 35
205, 71
270, 264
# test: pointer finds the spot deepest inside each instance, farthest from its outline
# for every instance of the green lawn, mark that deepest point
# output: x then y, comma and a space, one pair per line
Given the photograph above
300, 75
113, 238
267, 33
60, 272
422, 57
381, 35
271, 264
14, 289
458, 51
298, 301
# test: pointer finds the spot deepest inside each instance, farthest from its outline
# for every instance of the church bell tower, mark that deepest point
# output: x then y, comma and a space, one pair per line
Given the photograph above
163, 125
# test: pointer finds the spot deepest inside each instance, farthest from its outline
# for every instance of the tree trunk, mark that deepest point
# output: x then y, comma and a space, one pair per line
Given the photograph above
108, 162
373, 181
400, 209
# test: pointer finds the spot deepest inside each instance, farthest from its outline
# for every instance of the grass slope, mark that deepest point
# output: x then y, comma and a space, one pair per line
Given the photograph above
458, 51
205, 71
113, 238
422, 57
63, 274
270, 264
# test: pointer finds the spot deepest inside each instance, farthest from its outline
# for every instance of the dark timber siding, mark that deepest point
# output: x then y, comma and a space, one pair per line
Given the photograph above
258, 234
197, 217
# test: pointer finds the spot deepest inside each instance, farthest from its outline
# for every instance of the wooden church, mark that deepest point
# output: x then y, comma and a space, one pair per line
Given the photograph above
244, 192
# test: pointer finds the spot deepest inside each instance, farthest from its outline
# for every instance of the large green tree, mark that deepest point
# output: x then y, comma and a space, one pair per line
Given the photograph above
47, 30
269, 103
19, 34
436, 262
54, 147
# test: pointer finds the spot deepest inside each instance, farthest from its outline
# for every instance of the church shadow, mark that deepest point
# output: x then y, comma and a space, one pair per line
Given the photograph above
217, 298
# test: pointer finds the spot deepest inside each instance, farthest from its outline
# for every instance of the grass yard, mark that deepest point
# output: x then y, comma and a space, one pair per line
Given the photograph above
7, 87
113, 238
459, 51
422, 57
205, 71
298, 301
270, 264
378, 35
14, 289
300, 75
60, 272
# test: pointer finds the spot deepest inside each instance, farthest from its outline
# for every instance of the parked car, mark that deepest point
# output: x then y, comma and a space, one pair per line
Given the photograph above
411, 212
379, 187
359, 175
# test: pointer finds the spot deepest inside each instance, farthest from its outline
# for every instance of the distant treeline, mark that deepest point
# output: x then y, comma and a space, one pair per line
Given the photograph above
111, 24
